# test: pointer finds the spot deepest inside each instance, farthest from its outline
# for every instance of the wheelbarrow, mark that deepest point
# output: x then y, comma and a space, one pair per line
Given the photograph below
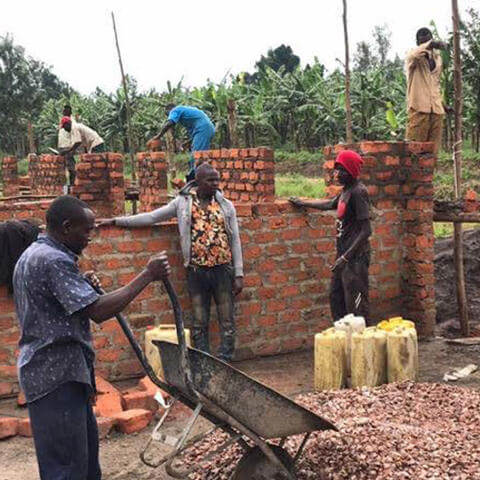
233, 402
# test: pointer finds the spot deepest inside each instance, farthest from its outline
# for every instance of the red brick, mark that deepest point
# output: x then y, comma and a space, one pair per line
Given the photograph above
140, 399
130, 246
25, 428
375, 147
105, 426
8, 427
108, 404
132, 421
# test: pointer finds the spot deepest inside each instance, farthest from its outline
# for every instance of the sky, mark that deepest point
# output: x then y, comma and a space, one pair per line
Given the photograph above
167, 40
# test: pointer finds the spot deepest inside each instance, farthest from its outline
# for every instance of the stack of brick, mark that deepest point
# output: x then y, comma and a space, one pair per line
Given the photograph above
129, 412
399, 177
10, 176
246, 174
152, 180
47, 174
100, 183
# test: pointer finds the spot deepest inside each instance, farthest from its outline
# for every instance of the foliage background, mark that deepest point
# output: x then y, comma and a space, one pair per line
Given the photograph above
280, 104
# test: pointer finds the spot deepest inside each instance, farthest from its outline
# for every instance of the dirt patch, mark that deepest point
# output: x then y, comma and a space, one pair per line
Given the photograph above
445, 291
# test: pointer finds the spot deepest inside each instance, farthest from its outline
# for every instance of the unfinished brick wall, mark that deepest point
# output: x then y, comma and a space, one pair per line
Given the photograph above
246, 174
100, 183
287, 254
152, 180
10, 176
47, 174
24, 210
399, 178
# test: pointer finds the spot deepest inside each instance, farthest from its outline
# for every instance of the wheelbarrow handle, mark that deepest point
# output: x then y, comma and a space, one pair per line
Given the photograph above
178, 314
185, 364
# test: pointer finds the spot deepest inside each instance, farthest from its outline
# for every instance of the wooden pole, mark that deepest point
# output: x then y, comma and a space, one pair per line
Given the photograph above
457, 166
348, 106
129, 112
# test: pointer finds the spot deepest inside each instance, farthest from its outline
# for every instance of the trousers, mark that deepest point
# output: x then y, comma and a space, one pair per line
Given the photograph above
349, 289
425, 127
65, 434
200, 141
205, 283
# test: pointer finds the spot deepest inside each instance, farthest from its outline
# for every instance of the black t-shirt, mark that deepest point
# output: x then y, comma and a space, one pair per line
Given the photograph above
353, 206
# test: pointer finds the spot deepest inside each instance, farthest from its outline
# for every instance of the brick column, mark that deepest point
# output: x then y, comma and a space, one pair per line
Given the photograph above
399, 178
47, 174
100, 183
152, 180
10, 176
247, 174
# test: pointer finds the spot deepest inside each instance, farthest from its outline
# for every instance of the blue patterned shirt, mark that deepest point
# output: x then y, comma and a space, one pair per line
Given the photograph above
56, 341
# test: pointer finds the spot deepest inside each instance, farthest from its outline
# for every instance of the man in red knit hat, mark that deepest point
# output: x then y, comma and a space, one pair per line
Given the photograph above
349, 285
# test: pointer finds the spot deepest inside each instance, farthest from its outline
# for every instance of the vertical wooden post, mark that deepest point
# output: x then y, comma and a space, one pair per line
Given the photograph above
348, 106
457, 166
232, 123
129, 112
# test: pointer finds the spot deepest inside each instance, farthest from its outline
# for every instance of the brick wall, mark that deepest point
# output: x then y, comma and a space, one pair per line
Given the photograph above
287, 256
46, 173
24, 210
246, 174
152, 180
10, 176
100, 183
399, 178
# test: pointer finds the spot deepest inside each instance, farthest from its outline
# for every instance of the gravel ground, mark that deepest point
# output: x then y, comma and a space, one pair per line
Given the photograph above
397, 431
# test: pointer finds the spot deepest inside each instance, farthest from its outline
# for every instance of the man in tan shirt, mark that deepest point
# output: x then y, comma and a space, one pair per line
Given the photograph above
74, 134
424, 99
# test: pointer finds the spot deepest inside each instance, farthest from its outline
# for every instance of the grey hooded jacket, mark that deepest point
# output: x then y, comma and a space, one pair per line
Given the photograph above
181, 208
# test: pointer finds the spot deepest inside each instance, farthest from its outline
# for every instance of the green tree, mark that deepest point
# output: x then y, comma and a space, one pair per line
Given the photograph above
25, 85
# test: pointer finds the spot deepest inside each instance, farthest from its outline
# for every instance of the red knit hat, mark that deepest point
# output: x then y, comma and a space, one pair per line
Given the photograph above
65, 120
351, 161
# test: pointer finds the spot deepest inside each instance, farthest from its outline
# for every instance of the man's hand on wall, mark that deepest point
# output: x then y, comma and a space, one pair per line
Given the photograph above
104, 222
158, 266
296, 202
237, 285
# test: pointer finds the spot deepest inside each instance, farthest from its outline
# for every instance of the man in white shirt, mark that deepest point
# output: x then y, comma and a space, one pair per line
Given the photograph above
73, 135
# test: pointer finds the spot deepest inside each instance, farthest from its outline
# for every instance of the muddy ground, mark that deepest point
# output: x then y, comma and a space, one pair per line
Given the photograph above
445, 291
291, 374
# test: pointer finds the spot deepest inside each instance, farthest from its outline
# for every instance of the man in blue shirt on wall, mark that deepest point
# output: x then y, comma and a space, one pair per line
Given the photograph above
199, 127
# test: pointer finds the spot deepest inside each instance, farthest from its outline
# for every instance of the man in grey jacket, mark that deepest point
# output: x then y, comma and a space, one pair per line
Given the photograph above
212, 252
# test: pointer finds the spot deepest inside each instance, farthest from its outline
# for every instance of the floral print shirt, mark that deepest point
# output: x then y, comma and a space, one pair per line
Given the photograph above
210, 245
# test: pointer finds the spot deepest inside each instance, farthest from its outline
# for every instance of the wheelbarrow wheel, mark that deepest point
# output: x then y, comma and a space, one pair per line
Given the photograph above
254, 465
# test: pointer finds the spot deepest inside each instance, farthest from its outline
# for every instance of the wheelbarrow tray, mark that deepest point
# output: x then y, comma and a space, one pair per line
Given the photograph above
266, 412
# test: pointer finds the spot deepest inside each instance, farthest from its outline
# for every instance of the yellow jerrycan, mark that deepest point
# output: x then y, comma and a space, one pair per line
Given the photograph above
392, 323
350, 324
161, 332
369, 358
402, 354
330, 359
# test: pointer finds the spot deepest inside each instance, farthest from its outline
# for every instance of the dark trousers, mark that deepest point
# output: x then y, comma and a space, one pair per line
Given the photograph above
65, 434
205, 283
72, 173
349, 289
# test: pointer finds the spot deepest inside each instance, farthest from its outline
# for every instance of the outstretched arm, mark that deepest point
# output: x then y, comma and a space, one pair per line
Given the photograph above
166, 126
330, 204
